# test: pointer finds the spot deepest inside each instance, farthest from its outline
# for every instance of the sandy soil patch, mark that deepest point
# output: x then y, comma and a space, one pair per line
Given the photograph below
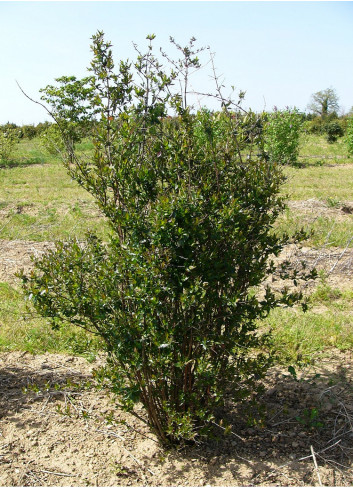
16, 254
56, 429
339, 211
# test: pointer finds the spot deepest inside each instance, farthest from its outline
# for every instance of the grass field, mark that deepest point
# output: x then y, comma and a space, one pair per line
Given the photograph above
39, 202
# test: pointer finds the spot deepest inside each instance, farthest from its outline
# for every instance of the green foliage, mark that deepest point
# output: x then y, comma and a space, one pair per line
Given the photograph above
191, 210
52, 140
310, 418
333, 130
21, 329
325, 293
314, 126
333, 202
8, 141
282, 136
349, 136
28, 131
324, 102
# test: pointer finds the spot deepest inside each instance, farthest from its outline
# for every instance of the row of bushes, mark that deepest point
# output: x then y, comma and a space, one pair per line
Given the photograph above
332, 126
312, 124
27, 131
281, 131
47, 134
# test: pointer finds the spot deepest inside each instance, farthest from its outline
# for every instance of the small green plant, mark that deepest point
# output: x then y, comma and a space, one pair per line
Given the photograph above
310, 418
64, 411
325, 293
31, 388
119, 469
333, 202
282, 136
293, 372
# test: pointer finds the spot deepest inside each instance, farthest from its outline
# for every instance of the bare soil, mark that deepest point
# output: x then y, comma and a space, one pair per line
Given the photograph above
316, 207
57, 429
16, 255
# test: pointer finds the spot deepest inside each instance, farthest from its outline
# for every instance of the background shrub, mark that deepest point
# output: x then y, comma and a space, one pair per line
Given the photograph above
8, 141
52, 140
281, 136
333, 130
349, 136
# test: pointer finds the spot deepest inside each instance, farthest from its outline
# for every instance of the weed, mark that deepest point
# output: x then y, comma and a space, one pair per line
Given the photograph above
119, 469
310, 418
64, 411
325, 293
333, 202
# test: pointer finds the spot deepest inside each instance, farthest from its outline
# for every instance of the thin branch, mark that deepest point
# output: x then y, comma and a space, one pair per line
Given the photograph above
36, 102
232, 432
343, 252
315, 464
57, 473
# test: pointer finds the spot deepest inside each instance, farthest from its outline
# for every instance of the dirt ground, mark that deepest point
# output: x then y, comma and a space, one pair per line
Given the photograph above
58, 429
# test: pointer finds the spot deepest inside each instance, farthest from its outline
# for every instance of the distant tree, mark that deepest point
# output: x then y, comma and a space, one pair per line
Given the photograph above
324, 102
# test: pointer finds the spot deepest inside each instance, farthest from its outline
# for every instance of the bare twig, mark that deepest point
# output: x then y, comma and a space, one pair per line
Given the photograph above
343, 252
232, 432
61, 474
315, 464
36, 102
324, 246
299, 459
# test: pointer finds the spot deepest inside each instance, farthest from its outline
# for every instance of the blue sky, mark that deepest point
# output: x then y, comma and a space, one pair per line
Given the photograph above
278, 52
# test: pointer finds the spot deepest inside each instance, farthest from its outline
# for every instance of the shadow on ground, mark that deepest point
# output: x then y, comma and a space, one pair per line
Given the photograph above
272, 441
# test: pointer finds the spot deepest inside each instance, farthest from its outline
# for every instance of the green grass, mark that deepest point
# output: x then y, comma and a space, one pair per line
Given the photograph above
21, 329
316, 151
322, 182
322, 230
39, 201
42, 203
328, 178
299, 337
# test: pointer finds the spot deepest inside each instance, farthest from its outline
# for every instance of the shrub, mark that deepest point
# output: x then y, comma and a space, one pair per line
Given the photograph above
314, 125
52, 140
333, 130
349, 136
41, 127
173, 293
281, 136
28, 131
8, 141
